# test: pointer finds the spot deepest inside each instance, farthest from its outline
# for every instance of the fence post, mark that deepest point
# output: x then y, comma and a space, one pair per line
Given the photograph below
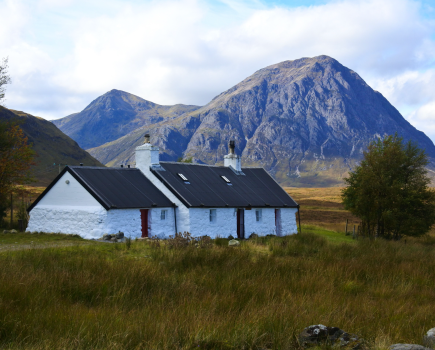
353, 236
347, 220
12, 210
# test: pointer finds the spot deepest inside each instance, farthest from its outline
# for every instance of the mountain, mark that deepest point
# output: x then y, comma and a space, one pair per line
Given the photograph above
306, 121
51, 145
113, 115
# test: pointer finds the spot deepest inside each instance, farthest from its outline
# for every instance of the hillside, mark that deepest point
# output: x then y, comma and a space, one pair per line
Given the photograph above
52, 146
306, 121
113, 115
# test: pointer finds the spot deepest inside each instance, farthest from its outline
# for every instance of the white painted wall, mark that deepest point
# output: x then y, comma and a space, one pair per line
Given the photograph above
225, 225
72, 194
288, 221
262, 228
161, 228
88, 222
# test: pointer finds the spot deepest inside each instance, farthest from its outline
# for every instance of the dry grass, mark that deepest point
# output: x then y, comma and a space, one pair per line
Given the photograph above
258, 296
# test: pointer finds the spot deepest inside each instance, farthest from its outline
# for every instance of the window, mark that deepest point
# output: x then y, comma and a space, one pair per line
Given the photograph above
258, 215
226, 180
184, 178
212, 215
163, 214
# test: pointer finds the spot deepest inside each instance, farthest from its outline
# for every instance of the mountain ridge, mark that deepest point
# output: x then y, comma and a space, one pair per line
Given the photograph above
307, 121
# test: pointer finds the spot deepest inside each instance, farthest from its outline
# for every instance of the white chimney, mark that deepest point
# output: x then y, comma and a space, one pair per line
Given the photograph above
147, 155
232, 159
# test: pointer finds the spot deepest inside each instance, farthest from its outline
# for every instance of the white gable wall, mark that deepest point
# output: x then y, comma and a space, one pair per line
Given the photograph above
72, 194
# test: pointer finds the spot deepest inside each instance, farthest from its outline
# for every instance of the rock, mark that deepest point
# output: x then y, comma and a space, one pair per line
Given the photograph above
5, 231
253, 236
233, 243
429, 338
333, 336
119, 235
407, 347
113, 239
106, 237
13, 231
230, 237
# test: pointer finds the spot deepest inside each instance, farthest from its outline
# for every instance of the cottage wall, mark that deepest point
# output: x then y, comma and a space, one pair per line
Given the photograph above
161, 228
288, 221
262, 228
225, 225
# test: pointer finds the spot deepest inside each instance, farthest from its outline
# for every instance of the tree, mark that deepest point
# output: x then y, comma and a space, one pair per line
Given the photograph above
16, 158
389, 190
4, 79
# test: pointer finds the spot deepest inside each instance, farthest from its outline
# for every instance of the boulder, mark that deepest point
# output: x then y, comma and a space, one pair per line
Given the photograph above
253, 236
5, 231
119, 235
429, 338
106, 237
407, 347
318, 335
13, 231
113, 239
233, 243
230, 237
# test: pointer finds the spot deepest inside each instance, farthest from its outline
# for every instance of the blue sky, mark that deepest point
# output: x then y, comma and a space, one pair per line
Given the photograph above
65, 53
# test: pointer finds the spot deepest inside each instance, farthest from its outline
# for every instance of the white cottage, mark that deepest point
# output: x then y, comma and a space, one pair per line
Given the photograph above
161, 198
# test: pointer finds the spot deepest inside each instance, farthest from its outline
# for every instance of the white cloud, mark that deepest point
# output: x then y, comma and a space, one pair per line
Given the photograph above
187, 51
424, 119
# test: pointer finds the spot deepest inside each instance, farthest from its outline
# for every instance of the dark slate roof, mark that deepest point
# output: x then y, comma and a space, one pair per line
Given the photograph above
206, 187
115, 188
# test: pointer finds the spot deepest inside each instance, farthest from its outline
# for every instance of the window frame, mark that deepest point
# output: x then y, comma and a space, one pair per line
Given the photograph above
163, 214
258, 215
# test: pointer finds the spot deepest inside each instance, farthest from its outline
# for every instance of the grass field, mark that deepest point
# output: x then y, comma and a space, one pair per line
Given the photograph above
63, 292
258, 296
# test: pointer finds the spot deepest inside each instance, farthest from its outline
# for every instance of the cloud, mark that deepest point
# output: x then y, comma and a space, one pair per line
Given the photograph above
187, 51
424, 119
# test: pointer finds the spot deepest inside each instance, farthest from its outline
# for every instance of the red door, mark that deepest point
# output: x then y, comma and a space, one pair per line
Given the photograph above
144, 221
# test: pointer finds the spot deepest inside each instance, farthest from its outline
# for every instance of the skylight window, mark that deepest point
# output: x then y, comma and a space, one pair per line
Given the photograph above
184, 178
226, 180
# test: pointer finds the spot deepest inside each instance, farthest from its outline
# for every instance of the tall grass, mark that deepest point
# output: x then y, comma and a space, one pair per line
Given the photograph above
256, 296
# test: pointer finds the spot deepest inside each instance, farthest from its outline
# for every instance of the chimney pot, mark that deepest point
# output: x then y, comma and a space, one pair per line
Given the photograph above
147, 138
232, 146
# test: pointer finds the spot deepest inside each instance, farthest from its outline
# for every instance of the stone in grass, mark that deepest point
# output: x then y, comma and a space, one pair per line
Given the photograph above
5, 231
233, 243
429, 338
119, 235
253, 236
333, 336
407, 347
230, 237
13, 231
106, 237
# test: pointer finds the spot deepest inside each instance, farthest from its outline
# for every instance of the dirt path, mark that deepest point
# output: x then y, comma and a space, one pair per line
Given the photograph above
14, 247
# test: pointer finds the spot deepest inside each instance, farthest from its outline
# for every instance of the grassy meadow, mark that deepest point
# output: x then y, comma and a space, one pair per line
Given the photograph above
256, 296
63, 292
